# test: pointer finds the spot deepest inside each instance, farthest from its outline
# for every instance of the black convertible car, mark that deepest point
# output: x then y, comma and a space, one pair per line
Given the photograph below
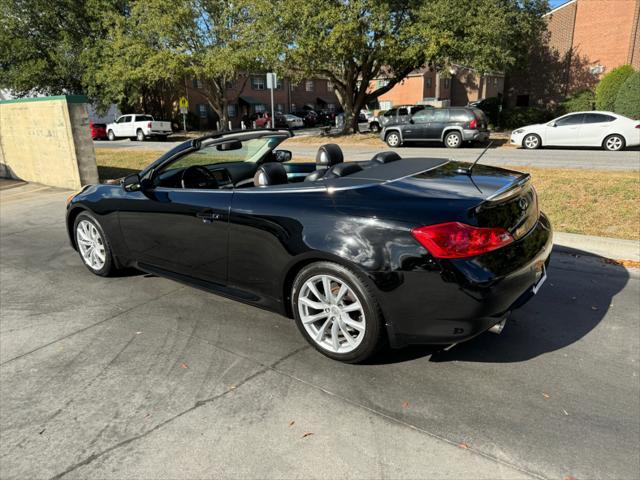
404, 251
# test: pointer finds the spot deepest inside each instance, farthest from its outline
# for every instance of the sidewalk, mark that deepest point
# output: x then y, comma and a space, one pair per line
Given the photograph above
613, 248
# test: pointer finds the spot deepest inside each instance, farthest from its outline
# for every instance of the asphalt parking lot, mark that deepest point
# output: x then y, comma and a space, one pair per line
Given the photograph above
141, 377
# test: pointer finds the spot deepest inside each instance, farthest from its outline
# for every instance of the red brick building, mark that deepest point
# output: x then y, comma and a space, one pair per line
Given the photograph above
249, 95
585, 39
425, 85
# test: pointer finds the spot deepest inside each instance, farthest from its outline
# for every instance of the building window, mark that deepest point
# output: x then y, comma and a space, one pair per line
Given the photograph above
383, 82
279, 107
331, 107
258, 83
279, 85
197, 83
232, 110
203, 110
308, 86
428, 82
447, 83
259, 108
293, 107
385, 105
330, 86
495, 81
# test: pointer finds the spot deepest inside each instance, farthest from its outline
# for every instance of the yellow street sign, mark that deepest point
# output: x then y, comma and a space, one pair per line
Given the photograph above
184, 103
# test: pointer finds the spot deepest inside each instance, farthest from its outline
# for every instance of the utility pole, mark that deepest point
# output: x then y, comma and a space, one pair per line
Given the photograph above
271, 84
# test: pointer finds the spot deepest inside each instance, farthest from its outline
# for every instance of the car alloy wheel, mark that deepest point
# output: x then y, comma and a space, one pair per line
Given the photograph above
531, 141
140, 136
393, 139
111, 136
91, 245
331, 314
614, 143
453, 140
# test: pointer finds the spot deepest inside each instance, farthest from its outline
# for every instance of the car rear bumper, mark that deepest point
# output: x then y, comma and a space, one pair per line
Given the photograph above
475, 135
454, 300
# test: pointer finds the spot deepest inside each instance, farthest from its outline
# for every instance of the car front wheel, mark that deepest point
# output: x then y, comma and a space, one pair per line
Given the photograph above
531, 141
393, 139
613, 143
93, 245
336, 312
453, 140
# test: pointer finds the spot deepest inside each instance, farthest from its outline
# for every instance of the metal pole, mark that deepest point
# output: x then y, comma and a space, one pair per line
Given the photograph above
273, 117
184, 122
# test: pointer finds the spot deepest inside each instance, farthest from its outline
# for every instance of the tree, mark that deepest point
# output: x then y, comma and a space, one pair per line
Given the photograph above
578, 102
160, 44
607, 88
354, 42
628, 100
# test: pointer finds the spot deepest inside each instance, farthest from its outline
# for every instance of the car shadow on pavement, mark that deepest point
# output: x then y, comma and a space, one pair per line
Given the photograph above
564, 311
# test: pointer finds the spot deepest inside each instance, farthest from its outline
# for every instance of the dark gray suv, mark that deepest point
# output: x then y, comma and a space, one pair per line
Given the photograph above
451, 126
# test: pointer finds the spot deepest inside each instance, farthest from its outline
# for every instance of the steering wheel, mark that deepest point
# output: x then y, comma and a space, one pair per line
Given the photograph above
197, 176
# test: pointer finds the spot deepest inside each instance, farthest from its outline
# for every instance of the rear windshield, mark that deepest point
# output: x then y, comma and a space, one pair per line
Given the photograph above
143, 118
479, 114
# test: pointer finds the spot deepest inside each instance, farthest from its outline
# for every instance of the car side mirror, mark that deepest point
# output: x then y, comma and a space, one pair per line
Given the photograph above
552, 124
131, 183
282, 156
411, 121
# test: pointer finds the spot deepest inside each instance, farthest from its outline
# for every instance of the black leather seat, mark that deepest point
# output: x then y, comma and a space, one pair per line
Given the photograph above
271, 173
328, 155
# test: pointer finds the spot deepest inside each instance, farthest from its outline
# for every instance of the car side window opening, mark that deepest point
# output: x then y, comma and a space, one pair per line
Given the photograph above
440, 115
598, 118
570, 120
390, 113
423, 116
210, 156
403, 111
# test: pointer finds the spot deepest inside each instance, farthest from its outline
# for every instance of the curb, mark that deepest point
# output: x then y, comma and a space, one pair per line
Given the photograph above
612, 248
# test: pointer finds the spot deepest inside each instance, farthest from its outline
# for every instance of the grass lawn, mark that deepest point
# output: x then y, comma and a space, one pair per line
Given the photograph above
589, 202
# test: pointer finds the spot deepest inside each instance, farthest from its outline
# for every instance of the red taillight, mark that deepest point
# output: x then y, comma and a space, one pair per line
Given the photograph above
473, 124
149, 125
458, 240
638, 125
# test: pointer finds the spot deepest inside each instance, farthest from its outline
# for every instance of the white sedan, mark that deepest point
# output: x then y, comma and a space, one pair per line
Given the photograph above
581, 129
293, 121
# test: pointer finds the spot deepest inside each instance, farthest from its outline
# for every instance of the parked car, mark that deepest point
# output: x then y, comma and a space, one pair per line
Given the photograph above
453, 126
293, 121
138, 127
394, 116
309, 117
418, 250
98, 130
607, 130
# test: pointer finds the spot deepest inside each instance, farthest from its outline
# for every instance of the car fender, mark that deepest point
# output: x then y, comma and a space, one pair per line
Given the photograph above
449, 129
388, 130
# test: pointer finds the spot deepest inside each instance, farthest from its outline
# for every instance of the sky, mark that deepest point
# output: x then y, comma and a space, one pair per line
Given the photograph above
556, 3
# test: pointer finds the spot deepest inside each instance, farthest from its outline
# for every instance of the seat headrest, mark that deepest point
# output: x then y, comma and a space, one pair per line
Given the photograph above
342, 170
328, 155
386, 157
271, 173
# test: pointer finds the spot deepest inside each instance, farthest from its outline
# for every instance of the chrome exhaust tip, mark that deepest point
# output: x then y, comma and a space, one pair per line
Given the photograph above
498, 327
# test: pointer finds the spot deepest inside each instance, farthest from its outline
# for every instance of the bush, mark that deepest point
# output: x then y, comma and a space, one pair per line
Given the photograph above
521, 116
578, 102
628, 99
607, 89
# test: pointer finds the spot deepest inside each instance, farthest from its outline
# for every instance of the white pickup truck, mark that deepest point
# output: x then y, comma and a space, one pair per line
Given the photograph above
138, 127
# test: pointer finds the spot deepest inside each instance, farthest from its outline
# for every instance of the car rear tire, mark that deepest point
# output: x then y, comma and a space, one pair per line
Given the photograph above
453, 140
393, 139
140, 135
111, 136
531, 141
93, 245
374, 127
345, 324
614, 143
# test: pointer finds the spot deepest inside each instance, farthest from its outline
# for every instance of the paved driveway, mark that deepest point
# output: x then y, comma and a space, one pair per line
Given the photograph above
138, 376
628, 160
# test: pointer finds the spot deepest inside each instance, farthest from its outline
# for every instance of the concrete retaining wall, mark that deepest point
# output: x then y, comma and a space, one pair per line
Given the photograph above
47, 140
